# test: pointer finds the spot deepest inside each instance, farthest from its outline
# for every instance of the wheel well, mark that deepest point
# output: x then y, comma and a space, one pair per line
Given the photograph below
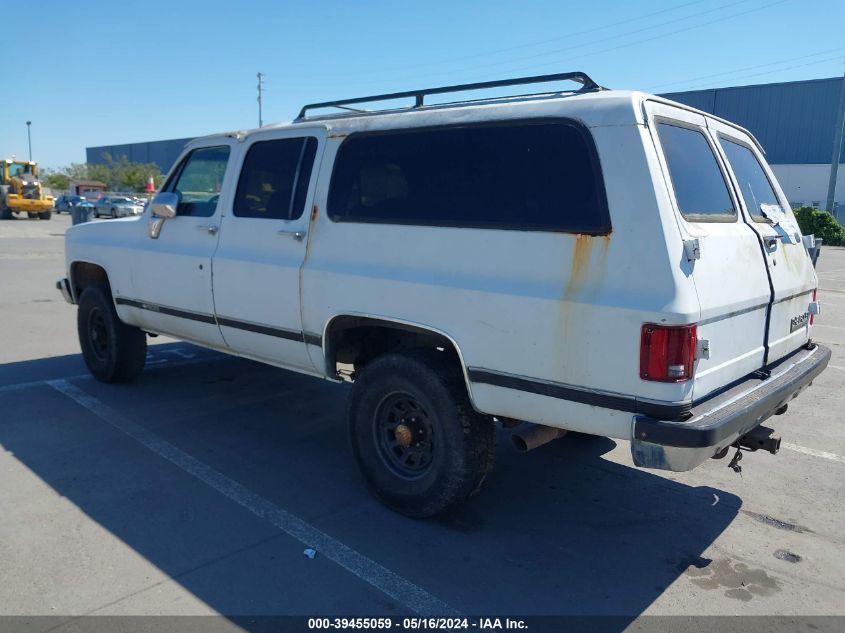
351, 342
84, 275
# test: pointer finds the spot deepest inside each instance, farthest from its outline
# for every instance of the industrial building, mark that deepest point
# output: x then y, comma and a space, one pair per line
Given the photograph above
794, 121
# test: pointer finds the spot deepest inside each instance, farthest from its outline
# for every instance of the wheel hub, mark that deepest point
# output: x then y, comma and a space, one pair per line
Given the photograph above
404, 435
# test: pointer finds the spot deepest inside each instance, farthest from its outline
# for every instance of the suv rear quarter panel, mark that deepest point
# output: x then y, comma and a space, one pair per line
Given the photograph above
546, 306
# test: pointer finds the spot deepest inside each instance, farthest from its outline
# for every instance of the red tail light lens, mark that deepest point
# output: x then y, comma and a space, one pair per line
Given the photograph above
667, 352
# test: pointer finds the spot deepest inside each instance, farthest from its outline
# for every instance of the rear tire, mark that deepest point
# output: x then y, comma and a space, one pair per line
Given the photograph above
113, 350
417, 440
45, 215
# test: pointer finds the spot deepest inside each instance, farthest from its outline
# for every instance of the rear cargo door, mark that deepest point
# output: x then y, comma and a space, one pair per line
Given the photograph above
767, 212
721, 249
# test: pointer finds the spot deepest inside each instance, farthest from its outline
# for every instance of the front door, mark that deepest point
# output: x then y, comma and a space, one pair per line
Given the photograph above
172, 273
263, 241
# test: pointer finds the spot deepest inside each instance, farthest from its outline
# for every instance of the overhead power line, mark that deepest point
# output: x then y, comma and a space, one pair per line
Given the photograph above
558, 64
618, 35
739, 70
566, 36
777, 70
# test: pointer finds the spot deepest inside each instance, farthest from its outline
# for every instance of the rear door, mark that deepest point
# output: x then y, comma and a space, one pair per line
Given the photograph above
767, 212
729, 273
263, 241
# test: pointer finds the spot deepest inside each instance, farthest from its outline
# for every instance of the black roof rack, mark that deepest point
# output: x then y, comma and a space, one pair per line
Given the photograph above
587, 85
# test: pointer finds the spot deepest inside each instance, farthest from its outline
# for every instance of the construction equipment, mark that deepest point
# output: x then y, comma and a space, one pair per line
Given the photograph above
21, 191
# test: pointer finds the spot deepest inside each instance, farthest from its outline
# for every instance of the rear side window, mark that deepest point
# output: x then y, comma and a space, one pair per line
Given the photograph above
542, 176
753, 182
274, 179
700, 187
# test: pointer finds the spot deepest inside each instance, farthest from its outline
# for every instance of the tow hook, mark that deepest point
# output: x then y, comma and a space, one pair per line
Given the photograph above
760, 437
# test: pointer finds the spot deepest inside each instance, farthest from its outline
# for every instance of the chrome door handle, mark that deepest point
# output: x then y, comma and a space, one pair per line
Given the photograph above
297, 235
208, 228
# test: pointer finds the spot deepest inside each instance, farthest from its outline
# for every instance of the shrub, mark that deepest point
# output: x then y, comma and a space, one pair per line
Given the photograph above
821, 224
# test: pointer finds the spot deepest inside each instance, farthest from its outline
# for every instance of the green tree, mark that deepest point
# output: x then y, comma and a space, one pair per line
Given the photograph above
821, 224
57, 181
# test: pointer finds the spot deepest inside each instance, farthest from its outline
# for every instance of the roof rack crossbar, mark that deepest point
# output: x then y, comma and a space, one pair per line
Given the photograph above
587, 85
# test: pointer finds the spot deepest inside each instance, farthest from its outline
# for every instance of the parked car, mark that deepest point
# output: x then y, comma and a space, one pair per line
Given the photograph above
600, 261
117, 207
65, 202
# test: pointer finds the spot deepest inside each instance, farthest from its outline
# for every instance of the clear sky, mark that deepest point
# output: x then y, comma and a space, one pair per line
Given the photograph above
103, 72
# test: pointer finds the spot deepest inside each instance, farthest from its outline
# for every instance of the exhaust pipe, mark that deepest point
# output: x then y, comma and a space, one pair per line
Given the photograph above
760, 438
532, 436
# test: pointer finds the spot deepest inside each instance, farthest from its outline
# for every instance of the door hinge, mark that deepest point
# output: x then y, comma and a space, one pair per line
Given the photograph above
692, 249
702, 349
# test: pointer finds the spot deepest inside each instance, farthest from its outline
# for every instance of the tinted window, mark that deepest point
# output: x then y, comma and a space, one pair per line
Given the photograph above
700, 188
274, 179
198, 181
753, 182
526, 175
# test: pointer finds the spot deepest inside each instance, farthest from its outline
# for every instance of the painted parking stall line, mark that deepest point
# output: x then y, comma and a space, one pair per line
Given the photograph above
812, 451
391, 584
154, 361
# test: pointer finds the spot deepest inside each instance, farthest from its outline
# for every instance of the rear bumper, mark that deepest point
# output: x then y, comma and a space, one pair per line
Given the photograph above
718, 421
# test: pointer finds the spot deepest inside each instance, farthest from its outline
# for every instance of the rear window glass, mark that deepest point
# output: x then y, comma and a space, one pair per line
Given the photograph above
753, 182
700, 187
526, 175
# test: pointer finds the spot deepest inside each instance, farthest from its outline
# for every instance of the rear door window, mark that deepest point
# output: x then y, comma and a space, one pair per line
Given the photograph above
524, 175
753, 183
700, 187
274, 179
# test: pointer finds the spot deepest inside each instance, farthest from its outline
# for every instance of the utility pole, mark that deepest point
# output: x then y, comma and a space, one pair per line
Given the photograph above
29, 139
837, 150
260, 91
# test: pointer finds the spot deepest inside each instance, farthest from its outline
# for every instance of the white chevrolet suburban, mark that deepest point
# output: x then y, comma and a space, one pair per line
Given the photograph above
593, 260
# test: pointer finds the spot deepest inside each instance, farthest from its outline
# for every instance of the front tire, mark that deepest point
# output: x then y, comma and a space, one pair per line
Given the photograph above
417, 440
113, 350
45, 215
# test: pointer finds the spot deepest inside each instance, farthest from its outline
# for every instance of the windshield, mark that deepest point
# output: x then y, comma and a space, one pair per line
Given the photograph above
18, 169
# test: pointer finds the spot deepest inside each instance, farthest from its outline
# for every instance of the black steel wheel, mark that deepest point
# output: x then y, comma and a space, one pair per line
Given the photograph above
113, 350
420, 445
404, 435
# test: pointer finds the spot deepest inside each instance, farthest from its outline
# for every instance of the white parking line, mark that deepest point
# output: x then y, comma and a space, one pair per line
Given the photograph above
837, 367
151, 366
386, 581
811, 451
832, 327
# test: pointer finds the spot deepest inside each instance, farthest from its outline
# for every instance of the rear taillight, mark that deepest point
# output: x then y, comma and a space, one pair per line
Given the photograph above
667, 352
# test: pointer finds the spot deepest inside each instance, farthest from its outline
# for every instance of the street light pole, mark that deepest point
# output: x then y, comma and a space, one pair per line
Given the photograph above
29, 139
260, 90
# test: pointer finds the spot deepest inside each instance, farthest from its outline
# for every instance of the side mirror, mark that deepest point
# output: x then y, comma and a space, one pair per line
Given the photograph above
165, 204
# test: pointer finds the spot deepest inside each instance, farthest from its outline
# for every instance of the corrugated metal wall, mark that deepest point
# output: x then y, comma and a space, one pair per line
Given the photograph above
793, 121
162, 153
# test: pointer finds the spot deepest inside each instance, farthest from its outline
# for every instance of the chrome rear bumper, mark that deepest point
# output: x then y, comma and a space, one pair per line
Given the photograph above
718, 421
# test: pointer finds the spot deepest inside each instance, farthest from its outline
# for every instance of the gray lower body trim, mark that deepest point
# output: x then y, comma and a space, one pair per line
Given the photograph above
248, 326
619, 402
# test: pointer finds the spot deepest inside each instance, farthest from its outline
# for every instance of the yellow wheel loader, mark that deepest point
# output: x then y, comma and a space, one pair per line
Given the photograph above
21, 191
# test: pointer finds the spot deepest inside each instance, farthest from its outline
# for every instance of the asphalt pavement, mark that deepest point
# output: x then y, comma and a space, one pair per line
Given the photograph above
197, 489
